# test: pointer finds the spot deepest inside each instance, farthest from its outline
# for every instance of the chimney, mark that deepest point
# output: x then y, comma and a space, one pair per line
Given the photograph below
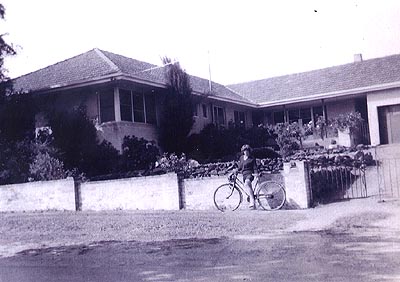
358, 58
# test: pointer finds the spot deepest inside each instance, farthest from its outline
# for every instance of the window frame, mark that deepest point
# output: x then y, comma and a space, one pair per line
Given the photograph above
238, 119
111, 106
204, 111
275, 114
130, 104
195, 110
216, 111
140, 108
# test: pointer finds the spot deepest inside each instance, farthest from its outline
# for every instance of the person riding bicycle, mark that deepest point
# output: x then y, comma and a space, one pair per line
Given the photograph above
247, 166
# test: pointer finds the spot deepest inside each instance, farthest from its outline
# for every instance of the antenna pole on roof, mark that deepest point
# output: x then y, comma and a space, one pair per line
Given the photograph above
209, 71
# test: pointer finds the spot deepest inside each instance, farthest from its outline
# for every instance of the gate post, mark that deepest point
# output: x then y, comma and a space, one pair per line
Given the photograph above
297, 185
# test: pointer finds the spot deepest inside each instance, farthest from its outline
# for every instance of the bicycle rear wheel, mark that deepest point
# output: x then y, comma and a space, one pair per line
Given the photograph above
271, 195
227, 197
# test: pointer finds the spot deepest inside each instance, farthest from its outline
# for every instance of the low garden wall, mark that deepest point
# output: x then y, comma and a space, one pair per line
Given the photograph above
159, 192
199, 192
38, 196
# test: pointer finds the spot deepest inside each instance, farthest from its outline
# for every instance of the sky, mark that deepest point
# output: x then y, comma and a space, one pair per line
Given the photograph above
237, 40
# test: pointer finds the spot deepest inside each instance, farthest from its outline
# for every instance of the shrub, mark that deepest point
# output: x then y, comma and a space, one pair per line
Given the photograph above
173, 163
46, 167
350, 121
138, 154
265, 153
17, 117
15, 158
287, 138
223, 144
75, 136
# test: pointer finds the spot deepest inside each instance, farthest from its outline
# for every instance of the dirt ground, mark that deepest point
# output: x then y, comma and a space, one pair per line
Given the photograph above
357, 240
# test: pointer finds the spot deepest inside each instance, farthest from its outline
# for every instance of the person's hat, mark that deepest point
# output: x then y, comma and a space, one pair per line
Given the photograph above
245, 147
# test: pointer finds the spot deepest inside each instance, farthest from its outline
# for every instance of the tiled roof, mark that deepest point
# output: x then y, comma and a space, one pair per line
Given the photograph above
150, 72
85, 66
96, 64
338, 78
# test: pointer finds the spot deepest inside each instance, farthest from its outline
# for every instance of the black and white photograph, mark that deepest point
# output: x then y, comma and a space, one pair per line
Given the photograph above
198, 141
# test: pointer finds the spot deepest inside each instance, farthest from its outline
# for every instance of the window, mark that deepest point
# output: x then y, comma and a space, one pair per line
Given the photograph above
239, 118
305, 115
195, 111
302, 115
294, 115
150, 102
138, 107
279, 117
204, 107
125, 99
219, 116
107, 105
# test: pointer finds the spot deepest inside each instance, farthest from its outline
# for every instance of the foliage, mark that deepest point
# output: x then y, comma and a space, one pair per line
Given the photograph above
46, 167
192, 169
265, 153
213, 143
5, 50
138, 154
350, 121
177, 113
173, 163
17, 117
46, 164
75, 136
15, 158
321, 126
287, 137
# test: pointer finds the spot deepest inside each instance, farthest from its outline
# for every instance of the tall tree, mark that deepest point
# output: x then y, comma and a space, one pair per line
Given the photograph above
177, 120
17, 112
5, 50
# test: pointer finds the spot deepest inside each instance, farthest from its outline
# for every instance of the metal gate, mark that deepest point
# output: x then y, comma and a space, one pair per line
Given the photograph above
332, 181
388, 170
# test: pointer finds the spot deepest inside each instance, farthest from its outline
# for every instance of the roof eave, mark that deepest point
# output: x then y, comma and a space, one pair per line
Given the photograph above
223, 99
75, 84
333, 94
121, 76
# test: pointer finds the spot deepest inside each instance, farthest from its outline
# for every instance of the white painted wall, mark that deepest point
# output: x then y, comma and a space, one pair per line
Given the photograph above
199, 192
139, 193
298, 190
115, 131
375, 100
38, 196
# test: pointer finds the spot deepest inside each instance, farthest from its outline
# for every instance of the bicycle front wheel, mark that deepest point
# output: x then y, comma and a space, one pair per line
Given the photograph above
271, 195
227, 197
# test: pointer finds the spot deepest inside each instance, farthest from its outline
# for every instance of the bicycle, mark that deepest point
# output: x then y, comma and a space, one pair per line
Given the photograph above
269, 194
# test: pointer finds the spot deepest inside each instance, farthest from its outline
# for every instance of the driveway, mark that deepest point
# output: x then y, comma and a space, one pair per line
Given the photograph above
356, 240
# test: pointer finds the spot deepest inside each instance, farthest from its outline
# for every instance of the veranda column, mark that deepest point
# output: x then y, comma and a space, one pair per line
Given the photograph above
117, 105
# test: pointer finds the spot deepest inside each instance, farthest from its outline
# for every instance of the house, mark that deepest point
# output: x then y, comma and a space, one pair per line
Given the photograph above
123, 95
370, 87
